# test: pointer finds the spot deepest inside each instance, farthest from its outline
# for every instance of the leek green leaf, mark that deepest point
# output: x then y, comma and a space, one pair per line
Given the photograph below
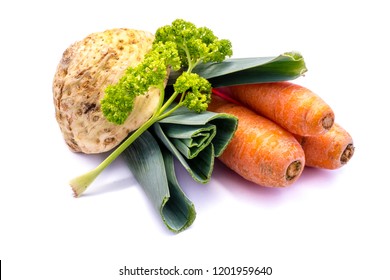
179, 212
190, 140
195, 139
200, 168
236, 71
153, 167
225, 125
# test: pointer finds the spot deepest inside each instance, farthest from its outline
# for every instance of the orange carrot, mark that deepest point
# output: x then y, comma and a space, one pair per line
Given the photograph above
296, 108
331, 150
260, 151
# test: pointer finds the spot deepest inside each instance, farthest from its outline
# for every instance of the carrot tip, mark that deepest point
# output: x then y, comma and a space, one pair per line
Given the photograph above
327, 121
347, 154
293, 170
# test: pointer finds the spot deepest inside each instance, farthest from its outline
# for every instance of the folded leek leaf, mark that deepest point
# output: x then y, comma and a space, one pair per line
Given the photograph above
196, 139
190, 140
179, 212
153, 167
200, 168
225, 125
236, 71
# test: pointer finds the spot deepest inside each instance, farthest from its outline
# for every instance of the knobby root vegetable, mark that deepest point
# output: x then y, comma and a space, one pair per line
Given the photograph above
296, 108
87, 67
260, 151
331, 150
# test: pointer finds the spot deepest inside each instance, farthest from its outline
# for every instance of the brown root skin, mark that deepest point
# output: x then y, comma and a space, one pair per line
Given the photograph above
294, 170
347, 154
327, 121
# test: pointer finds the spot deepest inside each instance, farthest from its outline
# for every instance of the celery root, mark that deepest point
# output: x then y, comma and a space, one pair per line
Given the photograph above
85, 70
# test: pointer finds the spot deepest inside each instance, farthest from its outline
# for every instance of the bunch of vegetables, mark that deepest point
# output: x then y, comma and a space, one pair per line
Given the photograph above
150, 98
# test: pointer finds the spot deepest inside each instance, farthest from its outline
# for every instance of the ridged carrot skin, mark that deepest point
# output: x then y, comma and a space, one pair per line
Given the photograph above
260, 151
331, 150
295, 108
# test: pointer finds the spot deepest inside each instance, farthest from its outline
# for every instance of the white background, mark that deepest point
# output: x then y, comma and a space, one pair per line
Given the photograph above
328, 225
